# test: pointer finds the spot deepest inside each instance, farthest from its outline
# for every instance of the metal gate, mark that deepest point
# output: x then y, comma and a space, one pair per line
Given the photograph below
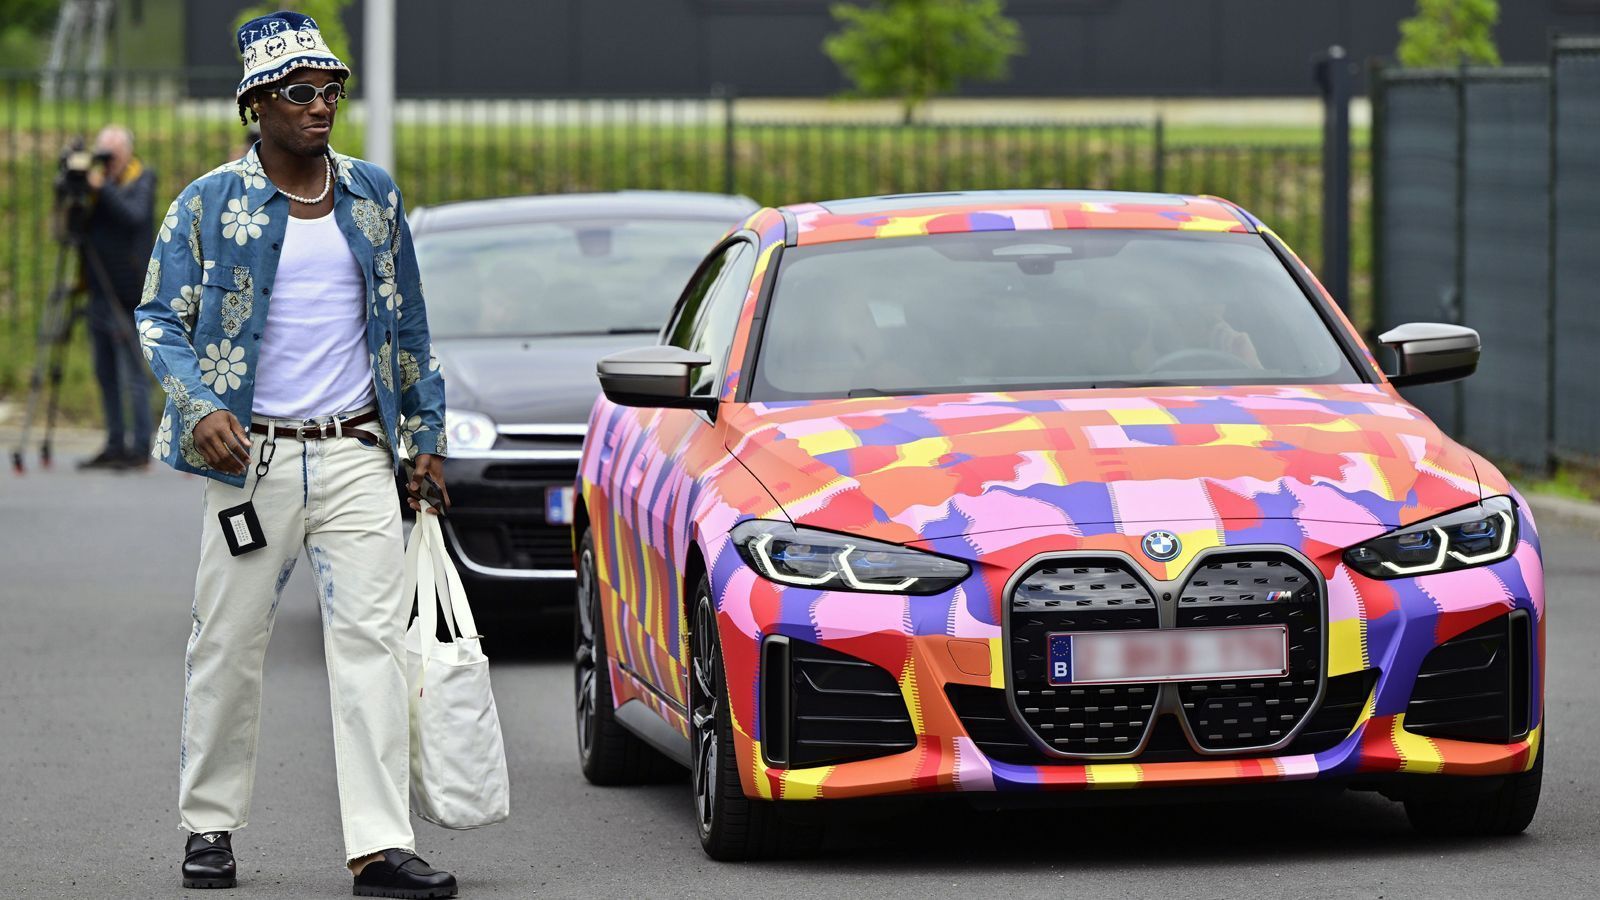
1575, 406
1463, 235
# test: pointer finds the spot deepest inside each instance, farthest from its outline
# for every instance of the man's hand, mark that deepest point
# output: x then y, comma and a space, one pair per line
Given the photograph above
223, 442
1226, 338
431, 466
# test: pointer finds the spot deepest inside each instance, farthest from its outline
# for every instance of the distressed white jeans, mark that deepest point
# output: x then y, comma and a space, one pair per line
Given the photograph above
337, 499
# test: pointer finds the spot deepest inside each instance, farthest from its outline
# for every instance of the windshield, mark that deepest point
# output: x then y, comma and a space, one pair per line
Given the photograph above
1036, 310
563, 277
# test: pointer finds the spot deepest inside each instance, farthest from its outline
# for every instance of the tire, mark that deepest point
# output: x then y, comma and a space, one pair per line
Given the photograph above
731, 826
1506, 810
609, 753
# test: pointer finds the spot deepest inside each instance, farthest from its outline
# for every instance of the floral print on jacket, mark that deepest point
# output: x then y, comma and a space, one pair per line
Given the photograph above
209, 284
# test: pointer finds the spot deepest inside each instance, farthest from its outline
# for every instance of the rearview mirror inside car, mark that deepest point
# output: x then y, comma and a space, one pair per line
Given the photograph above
660, 376
1432, 352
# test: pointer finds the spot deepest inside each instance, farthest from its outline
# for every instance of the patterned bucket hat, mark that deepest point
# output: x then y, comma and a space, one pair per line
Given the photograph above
275, 45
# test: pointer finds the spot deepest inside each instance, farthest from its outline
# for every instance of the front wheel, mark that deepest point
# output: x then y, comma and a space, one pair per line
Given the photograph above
731, 825
608, 752
1505, 810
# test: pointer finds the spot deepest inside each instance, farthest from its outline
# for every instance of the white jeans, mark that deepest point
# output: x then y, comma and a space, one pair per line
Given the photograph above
337, 498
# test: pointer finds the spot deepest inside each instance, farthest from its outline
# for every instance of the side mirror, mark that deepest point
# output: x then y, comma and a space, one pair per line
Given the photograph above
1432, 352
654, 377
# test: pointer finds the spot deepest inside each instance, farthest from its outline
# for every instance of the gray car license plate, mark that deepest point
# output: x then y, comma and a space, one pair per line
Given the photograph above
1168, 654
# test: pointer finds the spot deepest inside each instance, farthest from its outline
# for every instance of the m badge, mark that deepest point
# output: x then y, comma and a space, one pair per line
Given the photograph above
1162, 546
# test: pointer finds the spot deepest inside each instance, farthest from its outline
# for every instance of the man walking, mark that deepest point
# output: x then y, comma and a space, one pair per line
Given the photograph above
282, 312
116, 243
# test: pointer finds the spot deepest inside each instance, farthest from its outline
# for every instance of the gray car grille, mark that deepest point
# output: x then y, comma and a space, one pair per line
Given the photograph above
1254, 590
1077, 594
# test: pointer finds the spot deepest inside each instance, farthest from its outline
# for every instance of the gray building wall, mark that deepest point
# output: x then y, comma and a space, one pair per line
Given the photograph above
773, 47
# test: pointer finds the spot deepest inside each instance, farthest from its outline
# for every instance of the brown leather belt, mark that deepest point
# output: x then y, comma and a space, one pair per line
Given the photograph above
318, 432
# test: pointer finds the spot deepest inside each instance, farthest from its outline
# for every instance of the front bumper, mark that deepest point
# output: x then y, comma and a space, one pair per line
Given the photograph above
498, 529
1378, 639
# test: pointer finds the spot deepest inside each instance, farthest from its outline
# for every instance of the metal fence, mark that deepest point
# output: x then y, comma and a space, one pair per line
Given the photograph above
1485, 189
1575, 108
1416, 166
455, 148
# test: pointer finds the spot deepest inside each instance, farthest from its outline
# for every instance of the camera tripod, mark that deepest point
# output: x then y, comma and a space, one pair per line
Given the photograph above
63, 308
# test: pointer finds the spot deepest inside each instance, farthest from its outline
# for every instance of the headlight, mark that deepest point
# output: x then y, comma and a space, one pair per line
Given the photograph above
468, 430
1472, 536
806, 557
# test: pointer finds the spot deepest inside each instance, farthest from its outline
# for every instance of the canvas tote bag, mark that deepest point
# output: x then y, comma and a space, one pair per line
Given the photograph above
458, 758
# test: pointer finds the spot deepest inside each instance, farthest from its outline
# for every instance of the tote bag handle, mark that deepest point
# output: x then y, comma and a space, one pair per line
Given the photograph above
426, 561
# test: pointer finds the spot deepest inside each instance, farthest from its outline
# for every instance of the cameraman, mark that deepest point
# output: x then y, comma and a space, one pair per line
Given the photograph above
117, 237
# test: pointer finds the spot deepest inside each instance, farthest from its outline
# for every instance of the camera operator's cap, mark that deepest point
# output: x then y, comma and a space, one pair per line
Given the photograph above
275, 45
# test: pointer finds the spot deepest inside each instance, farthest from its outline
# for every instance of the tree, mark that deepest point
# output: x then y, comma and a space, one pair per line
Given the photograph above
329, 16
1450, 33
24, 28
916, 49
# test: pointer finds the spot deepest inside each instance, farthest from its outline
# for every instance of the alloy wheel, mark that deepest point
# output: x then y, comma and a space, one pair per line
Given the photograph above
585, 671
706, 694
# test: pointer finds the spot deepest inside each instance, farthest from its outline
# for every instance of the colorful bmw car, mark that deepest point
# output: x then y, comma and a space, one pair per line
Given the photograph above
1014, 492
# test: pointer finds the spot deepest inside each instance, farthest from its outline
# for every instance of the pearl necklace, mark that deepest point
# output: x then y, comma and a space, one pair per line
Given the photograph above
327, 185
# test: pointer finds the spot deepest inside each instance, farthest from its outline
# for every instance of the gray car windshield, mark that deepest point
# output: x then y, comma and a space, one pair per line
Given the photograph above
560, 277
1039, 310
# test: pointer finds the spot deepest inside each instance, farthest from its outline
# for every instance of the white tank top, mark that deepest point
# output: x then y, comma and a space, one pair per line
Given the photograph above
313, 355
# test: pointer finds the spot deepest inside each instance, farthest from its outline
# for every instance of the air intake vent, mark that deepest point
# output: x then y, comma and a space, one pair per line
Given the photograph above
1476, 686
838, 708
554, 473
989, 723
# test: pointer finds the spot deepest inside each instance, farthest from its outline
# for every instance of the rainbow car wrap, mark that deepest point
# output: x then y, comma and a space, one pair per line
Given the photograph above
1077, 510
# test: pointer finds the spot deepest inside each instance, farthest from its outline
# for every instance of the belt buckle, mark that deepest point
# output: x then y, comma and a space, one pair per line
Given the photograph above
314, 432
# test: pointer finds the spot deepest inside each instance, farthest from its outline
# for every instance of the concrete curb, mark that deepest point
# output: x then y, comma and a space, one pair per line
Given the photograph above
1566, 508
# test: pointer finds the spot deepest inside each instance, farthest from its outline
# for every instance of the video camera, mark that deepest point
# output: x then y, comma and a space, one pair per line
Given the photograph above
72, 190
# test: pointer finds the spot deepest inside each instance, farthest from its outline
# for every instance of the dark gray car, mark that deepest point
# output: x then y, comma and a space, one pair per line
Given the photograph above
524, 295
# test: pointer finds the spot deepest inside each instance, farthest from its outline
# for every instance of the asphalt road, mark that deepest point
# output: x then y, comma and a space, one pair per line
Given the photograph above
94, 608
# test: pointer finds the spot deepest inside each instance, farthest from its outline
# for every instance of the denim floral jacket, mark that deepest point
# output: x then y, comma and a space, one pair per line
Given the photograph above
209, 282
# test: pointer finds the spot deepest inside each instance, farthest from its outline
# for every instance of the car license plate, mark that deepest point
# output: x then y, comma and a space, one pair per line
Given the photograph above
1171, 654
558, 505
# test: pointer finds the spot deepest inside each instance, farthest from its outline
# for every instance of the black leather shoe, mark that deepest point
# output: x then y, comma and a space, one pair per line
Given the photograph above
208, 861
401, 873
134, 461
109, 458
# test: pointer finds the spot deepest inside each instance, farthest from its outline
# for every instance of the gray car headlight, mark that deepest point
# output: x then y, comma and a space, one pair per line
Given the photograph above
469, 430
826, 560
1471, 536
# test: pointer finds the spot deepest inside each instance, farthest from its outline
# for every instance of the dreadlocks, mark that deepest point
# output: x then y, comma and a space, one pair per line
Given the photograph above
244, 107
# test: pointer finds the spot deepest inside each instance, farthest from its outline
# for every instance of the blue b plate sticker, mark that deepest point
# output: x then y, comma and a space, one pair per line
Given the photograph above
1060, 659
558, 505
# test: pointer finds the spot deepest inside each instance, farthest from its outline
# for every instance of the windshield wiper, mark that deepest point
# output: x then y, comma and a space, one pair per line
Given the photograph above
635, 329
880, 392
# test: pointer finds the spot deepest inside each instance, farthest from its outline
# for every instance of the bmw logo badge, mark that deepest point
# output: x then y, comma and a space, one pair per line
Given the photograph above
1162, 546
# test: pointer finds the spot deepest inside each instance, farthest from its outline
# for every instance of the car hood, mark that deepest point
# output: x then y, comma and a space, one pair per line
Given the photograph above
913, 468
528, 380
